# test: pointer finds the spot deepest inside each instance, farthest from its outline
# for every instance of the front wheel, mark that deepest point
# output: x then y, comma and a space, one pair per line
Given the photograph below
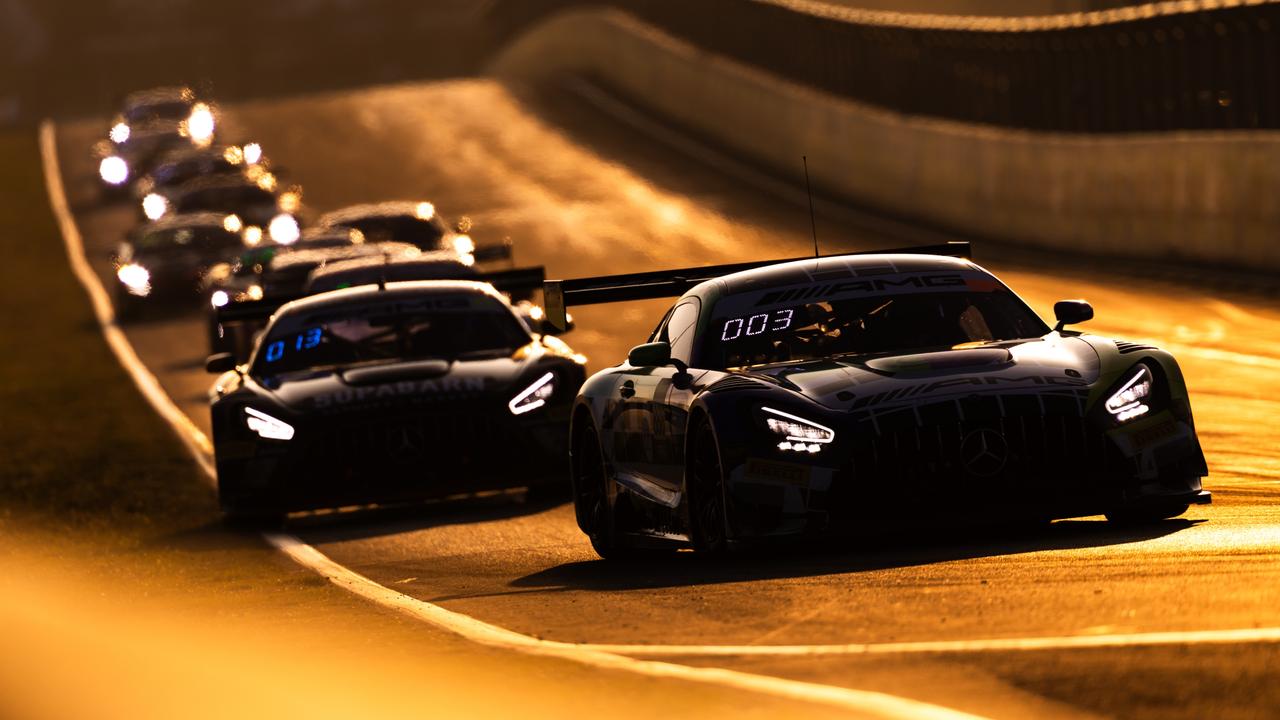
708, 510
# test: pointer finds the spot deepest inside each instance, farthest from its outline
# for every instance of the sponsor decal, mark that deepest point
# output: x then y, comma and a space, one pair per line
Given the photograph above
404, 388
864, 285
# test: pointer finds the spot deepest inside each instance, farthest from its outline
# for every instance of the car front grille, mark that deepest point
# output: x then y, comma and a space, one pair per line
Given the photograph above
1017, 444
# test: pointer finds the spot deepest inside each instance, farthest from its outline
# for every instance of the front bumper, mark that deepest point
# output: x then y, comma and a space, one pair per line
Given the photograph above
396, 457
909, 466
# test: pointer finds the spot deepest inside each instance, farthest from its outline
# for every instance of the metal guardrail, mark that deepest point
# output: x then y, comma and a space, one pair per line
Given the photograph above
1197, 65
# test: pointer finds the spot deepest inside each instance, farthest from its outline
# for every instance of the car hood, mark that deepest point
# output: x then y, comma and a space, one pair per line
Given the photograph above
419, 382
1022, 366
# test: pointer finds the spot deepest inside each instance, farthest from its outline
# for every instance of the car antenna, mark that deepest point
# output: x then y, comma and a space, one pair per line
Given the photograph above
382, 271
813, 223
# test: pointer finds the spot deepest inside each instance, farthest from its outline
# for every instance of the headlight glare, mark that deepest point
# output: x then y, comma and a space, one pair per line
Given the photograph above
267, 426
534, 396
284, 229
797, 433
135, 278
154, 206
1127, 402
113, 170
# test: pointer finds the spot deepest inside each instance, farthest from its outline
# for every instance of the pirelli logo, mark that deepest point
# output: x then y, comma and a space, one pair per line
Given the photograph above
863, 285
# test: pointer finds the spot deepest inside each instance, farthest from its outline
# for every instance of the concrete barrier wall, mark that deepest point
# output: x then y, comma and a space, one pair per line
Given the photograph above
1194, 196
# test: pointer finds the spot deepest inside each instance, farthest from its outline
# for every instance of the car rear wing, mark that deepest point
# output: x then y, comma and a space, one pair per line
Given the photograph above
558, 295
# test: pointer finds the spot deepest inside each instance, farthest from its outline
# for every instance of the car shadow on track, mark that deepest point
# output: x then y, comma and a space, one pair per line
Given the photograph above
371, 522
881, 551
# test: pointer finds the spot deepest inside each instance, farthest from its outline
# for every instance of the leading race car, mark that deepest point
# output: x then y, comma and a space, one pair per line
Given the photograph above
386, 393
819, 395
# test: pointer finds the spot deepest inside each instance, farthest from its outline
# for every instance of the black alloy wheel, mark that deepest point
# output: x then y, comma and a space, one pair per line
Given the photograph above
708, 516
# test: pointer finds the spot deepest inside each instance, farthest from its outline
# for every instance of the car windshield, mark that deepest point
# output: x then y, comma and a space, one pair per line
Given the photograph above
425, 234
434, 326
747, 329
225, 198
175, 110
178, 172
199, 238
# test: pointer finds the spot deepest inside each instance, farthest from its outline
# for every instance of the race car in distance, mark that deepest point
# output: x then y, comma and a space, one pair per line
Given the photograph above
175, 167
390, 393
167, 259
826, 395
150, 122
267, 277
253, 202
412, 222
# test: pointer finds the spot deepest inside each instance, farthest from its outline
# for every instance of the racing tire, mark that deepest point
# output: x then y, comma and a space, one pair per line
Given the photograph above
708, 509
591, 488
1146, 515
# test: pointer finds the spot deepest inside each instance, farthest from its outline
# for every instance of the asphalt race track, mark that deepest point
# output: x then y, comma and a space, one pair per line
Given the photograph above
583, 193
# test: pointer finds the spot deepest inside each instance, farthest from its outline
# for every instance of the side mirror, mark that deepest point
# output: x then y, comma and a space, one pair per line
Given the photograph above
650, 355
220, 363
1071, 312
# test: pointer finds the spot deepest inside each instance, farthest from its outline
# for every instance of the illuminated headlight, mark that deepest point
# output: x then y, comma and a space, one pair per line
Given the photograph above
232, 223
154, 206
1127, 402
798, 434
252, 235
200, 123
136, 278
119, 133
534, 396
113, 170
267, 426
252, 153
284, 229
464, 245
220, 298
424, 211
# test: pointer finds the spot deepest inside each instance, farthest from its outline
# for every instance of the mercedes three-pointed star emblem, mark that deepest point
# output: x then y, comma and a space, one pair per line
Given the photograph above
984, 452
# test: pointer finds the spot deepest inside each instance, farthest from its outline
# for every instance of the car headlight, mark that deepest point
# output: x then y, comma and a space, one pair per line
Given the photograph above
154, 206
1127, 403
119, 133
220, 298
797, 433
267, 426
113, 170
534, 396
284, 229
200, 123
252, 153
135, 278
252, 235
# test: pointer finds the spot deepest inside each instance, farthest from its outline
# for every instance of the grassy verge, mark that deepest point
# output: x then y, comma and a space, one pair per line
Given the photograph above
81, 449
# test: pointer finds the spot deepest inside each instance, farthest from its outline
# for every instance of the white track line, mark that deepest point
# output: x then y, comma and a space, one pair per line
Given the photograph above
863, 702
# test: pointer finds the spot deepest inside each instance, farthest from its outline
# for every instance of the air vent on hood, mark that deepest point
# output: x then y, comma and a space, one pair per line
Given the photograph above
736, 382
1127, 347
398, 371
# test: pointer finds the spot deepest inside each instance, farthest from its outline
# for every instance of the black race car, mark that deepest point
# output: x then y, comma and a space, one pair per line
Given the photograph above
390, 393
252, 201
166, 260
414, 222
150, 123
827, 395
175, 167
